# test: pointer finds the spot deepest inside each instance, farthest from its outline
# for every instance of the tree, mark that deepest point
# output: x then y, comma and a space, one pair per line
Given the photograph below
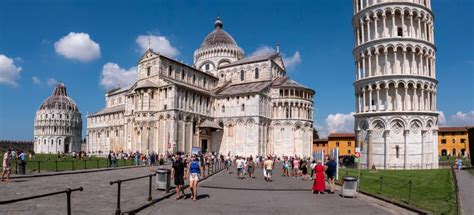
315, 134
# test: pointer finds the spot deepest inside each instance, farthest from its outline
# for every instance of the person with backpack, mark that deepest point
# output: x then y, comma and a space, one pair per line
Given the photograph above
331, 174
195, 170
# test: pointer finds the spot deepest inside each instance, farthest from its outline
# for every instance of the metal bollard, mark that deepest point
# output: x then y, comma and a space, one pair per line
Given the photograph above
119, 183
381, 184
85, 164
149, 188
97, 164
409, 191
56, 166
72, 165
39, 166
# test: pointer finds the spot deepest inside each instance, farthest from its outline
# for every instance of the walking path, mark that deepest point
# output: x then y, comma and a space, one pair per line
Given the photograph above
466, 190
98, 197
225, 194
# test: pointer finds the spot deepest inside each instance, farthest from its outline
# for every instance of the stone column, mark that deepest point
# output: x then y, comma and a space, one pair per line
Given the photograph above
364, 68
395, 100
368, 29
378, 98
376, 32
363, 30
377, 70
369, 149
423, 139
405, 156
405, 98
370, 98
386, 148
386, 97
419, 27
394, 30
363, 100
369, 55
384, 18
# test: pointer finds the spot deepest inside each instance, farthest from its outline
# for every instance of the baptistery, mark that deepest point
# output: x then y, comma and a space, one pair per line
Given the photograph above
58, 124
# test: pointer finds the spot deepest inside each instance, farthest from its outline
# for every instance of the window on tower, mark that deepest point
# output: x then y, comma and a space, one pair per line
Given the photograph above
400, 31
148, 71
242, 75
207, 66
397, 151
256, 73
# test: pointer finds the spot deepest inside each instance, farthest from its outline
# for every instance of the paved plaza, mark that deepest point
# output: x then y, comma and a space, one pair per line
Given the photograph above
220, 194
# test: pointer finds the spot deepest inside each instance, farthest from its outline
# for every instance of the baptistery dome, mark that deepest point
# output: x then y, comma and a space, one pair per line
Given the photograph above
58, 124
217, 49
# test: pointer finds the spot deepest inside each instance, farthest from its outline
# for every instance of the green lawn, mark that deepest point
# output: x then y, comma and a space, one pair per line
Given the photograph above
51, 162
432, 190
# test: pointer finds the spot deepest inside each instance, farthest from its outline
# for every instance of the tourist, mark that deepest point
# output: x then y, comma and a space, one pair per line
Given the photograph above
296, 167
240, 167
268, 166
228, 163
177, 173
459, 163
250, 167
152, 161
304, 170
6, 165
137, 158
313, 165
331, 171
195, 169
109, 159
113, 158
319, 184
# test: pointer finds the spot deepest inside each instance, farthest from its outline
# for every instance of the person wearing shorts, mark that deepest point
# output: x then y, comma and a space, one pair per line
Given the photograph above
177, 173
195, 170
268, 166
6, 165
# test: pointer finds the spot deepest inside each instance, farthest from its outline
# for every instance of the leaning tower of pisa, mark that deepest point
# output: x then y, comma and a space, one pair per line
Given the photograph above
395, 84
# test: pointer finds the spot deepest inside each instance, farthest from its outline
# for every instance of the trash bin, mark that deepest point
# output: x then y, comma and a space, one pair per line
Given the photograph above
349, 186
163, 179
21, 166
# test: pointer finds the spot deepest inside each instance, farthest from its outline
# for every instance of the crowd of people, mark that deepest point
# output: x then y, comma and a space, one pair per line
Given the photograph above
6, 165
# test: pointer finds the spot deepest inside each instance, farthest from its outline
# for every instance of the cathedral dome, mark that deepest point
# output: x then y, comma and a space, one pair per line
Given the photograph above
59, 100
218, 37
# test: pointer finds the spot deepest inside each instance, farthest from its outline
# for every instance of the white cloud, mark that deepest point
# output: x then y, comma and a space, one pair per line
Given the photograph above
338, 122
9, 72
159, 44
290, 62
113, 76
51, 81
263, 50
77, 46
457, 119
36, 80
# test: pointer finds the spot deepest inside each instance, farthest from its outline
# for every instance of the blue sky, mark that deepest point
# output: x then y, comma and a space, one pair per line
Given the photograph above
316, 35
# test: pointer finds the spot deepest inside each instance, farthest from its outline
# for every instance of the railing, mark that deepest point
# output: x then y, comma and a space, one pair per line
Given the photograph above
118, 211
211, 169
68, 192
62, 165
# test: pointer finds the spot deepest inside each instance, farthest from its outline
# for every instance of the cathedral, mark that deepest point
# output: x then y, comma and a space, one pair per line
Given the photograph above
225, 103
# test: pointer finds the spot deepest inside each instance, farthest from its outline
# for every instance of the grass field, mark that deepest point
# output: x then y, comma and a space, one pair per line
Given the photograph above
431, 190
51, 163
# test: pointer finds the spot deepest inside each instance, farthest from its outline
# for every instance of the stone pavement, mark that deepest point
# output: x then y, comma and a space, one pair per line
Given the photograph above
466, 190
98, 197
225, 194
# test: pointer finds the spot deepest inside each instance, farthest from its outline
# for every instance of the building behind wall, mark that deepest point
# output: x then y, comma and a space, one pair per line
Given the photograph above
345, 142
453, 141
225, 102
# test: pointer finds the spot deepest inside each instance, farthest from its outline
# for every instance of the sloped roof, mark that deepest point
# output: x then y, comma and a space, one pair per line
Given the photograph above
348, 135
209, 124
253, 87
452, 129
285, 82
323, 140
146, 84
115, 109
252, 59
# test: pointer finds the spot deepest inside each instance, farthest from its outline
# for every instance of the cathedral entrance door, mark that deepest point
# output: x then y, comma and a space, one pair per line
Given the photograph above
204, 146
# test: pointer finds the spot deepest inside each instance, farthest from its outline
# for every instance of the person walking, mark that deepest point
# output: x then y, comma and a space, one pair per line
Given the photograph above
228, 162
268, 168
6, 165
240, 167
177, 173
331, 174
304, 170
296, 167
250, 167
459, 163
195, 170
319, 184
313, 165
